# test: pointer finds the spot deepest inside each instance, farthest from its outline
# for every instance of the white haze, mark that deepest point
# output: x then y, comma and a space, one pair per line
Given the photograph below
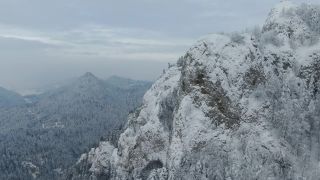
43, 42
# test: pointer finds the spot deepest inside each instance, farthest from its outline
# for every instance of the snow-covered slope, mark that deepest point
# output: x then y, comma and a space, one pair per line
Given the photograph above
44, 138
10, 98
234, 107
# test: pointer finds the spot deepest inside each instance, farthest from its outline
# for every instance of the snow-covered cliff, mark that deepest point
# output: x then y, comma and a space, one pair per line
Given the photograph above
242, 106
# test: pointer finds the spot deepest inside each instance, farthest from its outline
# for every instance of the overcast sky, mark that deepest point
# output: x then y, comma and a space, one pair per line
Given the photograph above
48, 41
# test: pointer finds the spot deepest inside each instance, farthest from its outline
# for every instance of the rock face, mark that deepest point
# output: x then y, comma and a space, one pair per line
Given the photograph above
234, 107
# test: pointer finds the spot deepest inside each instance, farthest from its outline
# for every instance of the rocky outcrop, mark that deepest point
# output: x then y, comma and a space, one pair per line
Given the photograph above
232, 109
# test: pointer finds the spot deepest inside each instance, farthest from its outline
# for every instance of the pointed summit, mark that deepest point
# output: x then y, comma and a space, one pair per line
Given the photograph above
88, 80
88, 77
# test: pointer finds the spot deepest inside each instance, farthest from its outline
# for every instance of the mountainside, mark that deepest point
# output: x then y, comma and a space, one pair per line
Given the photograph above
10, 99
43, 138
240, 106
124, 83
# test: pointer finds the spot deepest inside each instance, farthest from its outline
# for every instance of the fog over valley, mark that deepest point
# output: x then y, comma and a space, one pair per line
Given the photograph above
160, 90
48, 42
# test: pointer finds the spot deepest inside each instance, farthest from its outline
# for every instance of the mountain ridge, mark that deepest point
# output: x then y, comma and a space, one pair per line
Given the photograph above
10, 98
42, 138
243, 106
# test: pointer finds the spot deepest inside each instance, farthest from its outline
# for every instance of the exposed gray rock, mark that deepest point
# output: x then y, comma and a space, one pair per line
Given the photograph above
232, 110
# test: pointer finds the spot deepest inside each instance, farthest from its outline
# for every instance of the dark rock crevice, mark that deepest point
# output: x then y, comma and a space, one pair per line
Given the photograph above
152, 165
221, 111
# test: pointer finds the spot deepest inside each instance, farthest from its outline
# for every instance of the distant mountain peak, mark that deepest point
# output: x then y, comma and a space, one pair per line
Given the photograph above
88, 77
